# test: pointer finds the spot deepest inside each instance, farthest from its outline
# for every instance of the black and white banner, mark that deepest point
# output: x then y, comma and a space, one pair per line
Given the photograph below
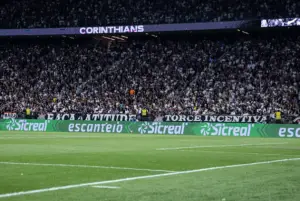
9, 115
282, 22
90, 117
296, 120
182, 118
219, 118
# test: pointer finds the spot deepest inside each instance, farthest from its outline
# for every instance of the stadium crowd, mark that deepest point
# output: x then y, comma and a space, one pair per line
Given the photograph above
190, 75
66, 13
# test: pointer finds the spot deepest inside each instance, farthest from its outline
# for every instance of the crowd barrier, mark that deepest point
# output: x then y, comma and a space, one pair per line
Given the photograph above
165, 128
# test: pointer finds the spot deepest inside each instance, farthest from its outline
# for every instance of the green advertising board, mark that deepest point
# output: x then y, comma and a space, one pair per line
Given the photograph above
165, 128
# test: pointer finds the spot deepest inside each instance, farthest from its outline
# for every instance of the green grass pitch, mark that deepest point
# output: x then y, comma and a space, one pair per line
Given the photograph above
51, 162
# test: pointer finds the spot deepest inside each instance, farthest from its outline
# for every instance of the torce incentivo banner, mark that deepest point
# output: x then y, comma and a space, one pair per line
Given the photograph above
163, 128
216, 118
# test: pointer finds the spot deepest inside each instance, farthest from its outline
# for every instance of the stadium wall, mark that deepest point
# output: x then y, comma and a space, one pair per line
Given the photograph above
164, 128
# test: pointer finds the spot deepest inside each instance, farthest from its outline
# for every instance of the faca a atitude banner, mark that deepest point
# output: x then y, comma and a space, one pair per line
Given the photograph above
162, 128
89, 117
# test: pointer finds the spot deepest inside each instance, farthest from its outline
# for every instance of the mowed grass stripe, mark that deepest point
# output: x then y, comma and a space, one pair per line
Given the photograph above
217, 146
142, 177
48, 137
82, 166
239, 153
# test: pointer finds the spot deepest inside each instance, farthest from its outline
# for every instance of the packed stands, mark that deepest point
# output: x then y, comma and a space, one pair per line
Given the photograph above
184, 74
70, 13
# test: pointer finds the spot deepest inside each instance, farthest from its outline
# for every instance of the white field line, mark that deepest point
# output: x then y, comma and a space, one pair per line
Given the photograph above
83, 166
111, 187
233, 152
211, 146
48, 137
141, 177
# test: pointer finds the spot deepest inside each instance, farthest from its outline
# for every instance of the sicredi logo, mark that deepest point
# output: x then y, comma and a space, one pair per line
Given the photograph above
23, 125
111, 29
158, 128
223, 130
289, 132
